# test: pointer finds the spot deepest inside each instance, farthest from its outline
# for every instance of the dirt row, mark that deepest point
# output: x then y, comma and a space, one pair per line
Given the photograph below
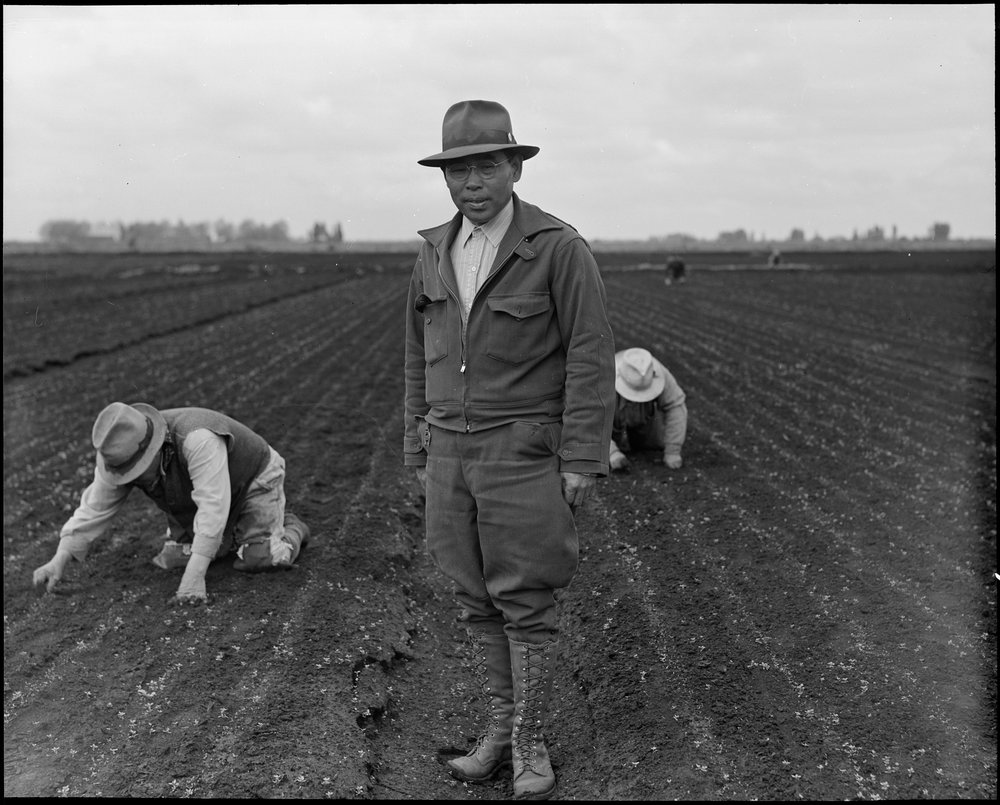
805, 611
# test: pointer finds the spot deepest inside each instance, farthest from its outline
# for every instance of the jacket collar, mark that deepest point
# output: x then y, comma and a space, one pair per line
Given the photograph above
527, 222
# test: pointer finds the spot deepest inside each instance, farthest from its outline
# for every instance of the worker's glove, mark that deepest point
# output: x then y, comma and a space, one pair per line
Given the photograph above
192, 586
618, 460
672, 460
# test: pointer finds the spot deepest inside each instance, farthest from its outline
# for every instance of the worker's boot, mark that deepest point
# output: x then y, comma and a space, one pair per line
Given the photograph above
296, 535
173, 554
492, 750
532, 666
256, 556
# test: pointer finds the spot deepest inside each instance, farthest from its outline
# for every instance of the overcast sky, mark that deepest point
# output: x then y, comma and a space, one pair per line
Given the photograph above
651, 119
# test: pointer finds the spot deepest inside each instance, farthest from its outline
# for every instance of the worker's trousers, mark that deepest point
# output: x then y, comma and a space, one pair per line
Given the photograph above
498, 525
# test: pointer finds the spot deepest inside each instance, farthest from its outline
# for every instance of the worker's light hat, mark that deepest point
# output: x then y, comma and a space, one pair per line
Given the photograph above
128, 439
639, 377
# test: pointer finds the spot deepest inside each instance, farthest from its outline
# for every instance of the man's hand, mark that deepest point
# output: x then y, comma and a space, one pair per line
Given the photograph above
192, 586
576, 488
51, 572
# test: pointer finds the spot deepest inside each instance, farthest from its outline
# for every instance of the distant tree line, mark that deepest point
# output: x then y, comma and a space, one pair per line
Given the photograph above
938, 232
180, 235
143, 234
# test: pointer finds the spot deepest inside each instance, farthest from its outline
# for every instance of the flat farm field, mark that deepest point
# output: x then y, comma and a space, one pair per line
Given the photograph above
806, 610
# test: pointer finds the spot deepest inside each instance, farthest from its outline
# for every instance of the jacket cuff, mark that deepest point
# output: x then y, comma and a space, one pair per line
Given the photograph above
595, 468
414, 454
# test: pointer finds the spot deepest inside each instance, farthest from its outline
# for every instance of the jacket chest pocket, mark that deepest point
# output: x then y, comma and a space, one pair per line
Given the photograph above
435, 316
517, 326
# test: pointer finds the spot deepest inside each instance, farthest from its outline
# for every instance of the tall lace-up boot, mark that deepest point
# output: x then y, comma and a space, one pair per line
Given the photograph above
492, 750
532, 666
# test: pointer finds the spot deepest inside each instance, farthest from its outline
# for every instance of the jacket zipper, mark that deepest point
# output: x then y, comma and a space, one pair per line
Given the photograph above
465, 322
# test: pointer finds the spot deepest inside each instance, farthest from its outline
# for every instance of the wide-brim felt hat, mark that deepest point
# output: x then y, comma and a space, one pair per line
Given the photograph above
639, 377
476, 127
128, 439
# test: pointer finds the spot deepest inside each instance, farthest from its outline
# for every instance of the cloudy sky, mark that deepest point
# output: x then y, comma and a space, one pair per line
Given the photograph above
651, 119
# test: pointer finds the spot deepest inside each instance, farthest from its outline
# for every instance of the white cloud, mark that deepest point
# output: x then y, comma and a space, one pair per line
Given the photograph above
651, 118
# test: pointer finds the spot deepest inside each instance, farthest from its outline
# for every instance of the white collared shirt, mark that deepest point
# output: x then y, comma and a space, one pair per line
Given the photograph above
474, 250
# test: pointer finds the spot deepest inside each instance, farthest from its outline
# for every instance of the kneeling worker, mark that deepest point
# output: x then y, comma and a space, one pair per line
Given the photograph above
221, 486
650, 411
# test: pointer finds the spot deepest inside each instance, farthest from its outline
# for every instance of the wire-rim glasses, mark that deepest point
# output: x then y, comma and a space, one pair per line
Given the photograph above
459, 171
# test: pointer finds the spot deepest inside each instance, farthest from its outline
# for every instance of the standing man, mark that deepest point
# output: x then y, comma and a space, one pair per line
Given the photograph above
220, 485
510, 396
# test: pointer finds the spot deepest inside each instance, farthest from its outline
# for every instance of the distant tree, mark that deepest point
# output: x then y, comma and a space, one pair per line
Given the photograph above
224, 231
251, 230
338, 234
737, 237
194, 235
277, 231
876, 233
319, 233
676, 241
939, 231
62, 231
248, 230
797, 236
146, 231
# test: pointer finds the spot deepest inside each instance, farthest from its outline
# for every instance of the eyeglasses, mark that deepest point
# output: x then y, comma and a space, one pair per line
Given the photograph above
459, 171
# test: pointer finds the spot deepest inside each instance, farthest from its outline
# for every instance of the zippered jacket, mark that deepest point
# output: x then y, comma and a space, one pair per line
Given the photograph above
537, 345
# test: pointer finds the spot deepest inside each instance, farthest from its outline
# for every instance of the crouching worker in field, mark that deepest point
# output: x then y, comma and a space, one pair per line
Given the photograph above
221, 486
650, 412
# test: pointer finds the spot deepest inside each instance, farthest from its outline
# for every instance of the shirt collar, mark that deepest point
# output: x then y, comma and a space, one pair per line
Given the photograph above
494, 229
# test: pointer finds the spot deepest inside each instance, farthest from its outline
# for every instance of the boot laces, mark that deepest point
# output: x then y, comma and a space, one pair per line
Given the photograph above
527, 732
494, 728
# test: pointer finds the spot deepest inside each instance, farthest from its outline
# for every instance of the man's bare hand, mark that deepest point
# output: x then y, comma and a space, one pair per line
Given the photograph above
192, 587
51, 572
576, 488
188, 600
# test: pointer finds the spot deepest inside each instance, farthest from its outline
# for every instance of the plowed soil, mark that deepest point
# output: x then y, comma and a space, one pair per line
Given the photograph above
806, 610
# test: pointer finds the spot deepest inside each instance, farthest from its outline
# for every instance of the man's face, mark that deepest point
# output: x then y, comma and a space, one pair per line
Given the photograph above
150, 478
480, 199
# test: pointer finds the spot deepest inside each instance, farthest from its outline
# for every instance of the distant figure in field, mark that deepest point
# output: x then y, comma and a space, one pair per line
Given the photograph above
220, 485
676, 269
650, 410
774, 260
